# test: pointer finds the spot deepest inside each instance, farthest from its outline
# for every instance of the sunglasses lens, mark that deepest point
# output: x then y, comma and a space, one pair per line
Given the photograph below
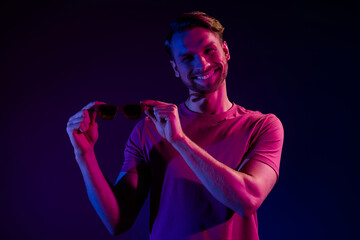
132, 111
107, 111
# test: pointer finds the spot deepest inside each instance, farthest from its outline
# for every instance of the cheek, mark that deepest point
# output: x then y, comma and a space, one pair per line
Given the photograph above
184, 70
223, 61
218, 58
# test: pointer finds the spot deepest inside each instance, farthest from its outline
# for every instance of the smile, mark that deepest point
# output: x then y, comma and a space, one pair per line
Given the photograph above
205, 76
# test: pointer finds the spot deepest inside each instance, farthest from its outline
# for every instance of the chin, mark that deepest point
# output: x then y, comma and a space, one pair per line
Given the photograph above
208, 88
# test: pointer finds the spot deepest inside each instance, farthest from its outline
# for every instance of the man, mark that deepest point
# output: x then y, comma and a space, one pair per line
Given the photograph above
208, 165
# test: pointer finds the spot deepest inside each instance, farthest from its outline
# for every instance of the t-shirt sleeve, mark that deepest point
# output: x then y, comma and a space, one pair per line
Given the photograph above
134, 153
266, 145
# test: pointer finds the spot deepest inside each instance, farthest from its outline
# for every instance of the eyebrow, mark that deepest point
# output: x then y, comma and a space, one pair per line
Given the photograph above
206, 46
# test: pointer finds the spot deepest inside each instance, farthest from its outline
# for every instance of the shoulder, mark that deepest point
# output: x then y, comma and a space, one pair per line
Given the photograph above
258, 119
270, 119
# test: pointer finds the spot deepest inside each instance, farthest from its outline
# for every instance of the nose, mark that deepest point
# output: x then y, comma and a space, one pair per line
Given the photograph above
200, 63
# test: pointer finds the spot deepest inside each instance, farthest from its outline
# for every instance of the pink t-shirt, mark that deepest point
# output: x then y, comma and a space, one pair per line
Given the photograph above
180, 206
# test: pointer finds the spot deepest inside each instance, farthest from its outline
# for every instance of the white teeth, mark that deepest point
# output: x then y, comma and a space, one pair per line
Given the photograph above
205, 77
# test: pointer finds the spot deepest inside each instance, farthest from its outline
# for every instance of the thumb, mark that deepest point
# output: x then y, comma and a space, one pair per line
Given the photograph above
94, 107
150, 113
92, 115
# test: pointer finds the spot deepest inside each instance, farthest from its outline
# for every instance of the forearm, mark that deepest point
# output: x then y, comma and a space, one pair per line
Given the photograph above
234, 189
99, 191
242, 192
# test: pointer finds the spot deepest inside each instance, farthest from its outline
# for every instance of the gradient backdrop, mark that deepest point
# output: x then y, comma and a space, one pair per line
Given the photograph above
295, 60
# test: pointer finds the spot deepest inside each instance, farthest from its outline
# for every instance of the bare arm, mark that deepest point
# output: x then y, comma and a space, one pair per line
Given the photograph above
110, 202
241, 191
99, 191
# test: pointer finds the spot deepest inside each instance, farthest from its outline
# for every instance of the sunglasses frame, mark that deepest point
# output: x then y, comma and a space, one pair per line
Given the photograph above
122, 109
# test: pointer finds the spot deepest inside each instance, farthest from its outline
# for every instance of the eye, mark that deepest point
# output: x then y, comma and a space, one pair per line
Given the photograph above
210, 51
187, 58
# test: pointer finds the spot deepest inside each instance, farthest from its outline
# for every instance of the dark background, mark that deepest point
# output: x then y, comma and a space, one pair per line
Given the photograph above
298, 61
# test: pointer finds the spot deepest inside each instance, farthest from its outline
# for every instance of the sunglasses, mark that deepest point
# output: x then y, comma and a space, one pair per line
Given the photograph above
130, 111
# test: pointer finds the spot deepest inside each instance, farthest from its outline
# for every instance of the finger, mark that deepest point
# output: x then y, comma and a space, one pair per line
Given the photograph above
89, 105
164, 115
87, 119
81, 123
73, 128
92, 114
150, 114
77, 115
93, 108
73, 125
82, 116
93, 105
165, 111
149, 111
167, 106
81, 112
74, 122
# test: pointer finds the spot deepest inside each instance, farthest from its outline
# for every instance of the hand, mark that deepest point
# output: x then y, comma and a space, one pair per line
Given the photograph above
165, 116
83, 129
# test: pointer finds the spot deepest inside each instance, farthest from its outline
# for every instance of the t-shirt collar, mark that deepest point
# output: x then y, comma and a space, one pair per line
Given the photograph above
214, 118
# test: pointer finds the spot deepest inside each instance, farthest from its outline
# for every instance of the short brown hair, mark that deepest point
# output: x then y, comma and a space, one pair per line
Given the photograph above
187, 21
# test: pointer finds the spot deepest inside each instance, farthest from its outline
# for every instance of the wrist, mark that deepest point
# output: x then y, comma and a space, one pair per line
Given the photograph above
84, 157
179, 140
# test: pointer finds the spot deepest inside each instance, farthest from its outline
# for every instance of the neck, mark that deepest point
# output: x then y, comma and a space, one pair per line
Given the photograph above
212, 103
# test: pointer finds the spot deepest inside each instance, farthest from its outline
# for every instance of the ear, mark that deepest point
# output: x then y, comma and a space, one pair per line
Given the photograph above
226, 50
173, 64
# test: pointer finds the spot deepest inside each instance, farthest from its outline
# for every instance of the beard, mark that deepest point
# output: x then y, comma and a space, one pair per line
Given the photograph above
206, 87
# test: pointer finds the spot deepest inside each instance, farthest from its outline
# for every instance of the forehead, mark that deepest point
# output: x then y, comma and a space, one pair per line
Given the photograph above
192, 40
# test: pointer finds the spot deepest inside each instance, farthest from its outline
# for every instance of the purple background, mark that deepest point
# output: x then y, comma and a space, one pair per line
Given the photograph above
294, 60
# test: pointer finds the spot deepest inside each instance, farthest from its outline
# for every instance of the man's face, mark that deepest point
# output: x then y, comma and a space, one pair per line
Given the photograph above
200, 59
